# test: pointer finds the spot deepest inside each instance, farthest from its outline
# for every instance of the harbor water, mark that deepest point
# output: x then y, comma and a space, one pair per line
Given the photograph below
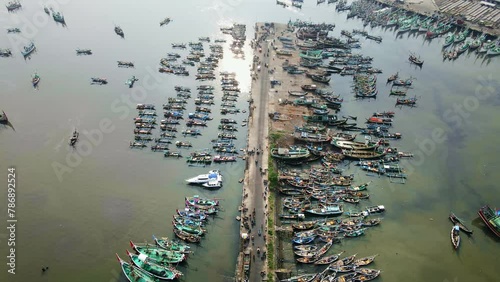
77, 208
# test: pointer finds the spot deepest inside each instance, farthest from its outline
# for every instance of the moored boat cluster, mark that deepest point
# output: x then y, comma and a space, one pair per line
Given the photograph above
458, 39
158, 261
328, 189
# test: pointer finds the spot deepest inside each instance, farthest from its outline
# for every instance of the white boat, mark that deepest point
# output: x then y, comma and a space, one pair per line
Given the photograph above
214, 181
204, 178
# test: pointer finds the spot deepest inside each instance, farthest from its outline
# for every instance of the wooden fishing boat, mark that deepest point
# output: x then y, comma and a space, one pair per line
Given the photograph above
74, 138
457, 221
292, 153
98, 80
304, 225
58, 17
303, 240
195, 230
183, 144
371, 222
328, 259
195, 215
158, 254
403, 82
312, 138
393, 77
345, 261
130, 82
364, 261
398, 92
191, 222
156, 270
300, 278
83, 52
35, 80
13, 5
375, 209
344, 268
309, 87
165, 21
455, 237
125, 64
366, 274
355, 233
491, 218
133, 273
297, 93
363, 154
191, 238
119, 31
27, 50
330, 210
167, 244
350, 200
415, 60
352, 145
196, 201
3, 118
5, 53
345, 278
306, 248
320, 78
409, 102
13, 30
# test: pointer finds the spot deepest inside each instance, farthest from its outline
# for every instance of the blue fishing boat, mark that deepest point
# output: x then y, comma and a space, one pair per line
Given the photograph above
27, 50
303, 240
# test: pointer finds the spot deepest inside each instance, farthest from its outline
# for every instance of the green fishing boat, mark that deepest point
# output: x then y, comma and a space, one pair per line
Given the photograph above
449, 39
198, 202
477, 42
171, 245
462, 35
156, 270
189, 229
135, 274
464, 47
159, 255
494, 51
404, 28
312, 55
355, 233
187, 221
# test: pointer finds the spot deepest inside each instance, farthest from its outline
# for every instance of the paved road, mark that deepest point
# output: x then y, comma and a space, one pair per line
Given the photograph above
260, 99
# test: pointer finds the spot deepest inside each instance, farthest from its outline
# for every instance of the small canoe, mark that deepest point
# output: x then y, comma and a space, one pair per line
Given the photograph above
459, 222
455, 237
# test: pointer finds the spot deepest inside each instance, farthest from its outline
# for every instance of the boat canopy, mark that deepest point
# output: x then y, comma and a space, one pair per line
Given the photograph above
143, 257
